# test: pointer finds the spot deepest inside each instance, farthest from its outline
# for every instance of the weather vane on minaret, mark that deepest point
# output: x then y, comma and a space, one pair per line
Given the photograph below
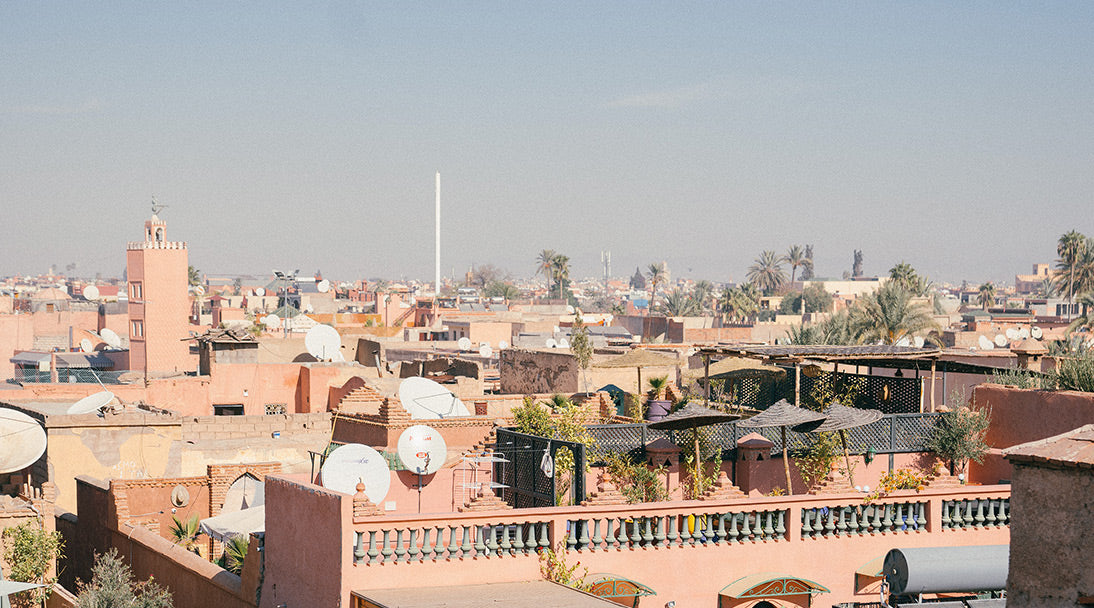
156, 207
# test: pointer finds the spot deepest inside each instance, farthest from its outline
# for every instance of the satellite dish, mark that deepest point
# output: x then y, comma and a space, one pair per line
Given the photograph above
551, 343
91, 403
569, 309
199, 290
338, 357
112, 339
557, 329
1036, 332
91, 292
86, 345
503, 345
323, 286
427, 400
1011, 333
354, 463
422, 449
271, 321
485, 351
1000, 340
904, 341
919, 341
260, 291
1023, 333
985, 343
180, 496
564, 343
464, 343
24, 440
322, 342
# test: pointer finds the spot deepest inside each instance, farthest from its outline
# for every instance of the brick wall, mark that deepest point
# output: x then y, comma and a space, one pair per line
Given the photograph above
234, 427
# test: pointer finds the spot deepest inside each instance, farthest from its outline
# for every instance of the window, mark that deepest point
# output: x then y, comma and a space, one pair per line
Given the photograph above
228, 409
137, 329
136, 291
275, 408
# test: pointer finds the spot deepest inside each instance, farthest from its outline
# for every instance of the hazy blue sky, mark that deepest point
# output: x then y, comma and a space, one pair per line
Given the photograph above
956, 136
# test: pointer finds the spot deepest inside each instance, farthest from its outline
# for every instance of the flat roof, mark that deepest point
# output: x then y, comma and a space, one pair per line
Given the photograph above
529, 594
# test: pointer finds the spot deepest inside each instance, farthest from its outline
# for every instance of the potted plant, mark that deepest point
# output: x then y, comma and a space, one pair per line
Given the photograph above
657, 407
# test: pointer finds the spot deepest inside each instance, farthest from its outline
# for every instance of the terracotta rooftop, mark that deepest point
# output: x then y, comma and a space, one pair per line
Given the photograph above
1072, 450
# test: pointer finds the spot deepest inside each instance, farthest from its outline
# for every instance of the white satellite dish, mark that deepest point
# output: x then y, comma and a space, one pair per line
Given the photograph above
1036, 332
985, 343
271, 321
1000, 340
485, 351
464, 343
86, 345
564, 343
338, 357
260, 291
919, 341
199, 290
1023, 333
323, 286
322, 342
354, 463
569, 309
91, 403
1011, 333
904, 341
422, 449
503, 345
112, 339
24, 440
91, 292
551, 343
557, 329
427, 400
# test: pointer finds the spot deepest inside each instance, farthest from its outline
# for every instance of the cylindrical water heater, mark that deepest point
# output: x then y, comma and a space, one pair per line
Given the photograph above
947, 569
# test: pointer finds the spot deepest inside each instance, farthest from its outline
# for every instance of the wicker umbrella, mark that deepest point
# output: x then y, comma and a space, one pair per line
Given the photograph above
839, 418
639, 358
692, 416
782, 414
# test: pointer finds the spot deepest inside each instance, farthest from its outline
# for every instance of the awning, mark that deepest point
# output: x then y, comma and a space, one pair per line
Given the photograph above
236, 523
530, 594
870, 572
613, 586
9, 587
770, 584
29, 358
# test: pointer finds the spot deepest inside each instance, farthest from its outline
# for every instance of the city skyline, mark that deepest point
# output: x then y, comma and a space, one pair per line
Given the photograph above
957, 139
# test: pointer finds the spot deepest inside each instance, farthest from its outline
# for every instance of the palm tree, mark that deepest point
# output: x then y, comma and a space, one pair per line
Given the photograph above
235, 552
680, 304
545, 262
703, 294
795, 256
1070, 249
904, 274
1085, 321
739, 303
987, 295
766, 273
185, 533
833, 330
560, 268
193, 276
656, 274
888, 315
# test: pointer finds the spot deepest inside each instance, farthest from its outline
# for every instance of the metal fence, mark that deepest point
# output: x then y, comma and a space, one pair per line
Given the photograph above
68, 375
893, 434
525, 478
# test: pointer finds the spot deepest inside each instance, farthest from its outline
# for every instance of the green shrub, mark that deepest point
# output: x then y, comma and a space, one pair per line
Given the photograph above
1076, 372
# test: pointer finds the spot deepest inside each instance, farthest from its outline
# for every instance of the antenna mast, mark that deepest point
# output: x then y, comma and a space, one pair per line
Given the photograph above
437, 241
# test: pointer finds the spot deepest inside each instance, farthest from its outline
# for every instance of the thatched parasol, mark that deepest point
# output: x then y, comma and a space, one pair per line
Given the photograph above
782, 414
639, 358
840, 418
692, 416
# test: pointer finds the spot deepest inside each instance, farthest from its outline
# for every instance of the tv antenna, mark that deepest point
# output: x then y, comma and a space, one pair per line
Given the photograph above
156, 207
422, 450
355, 463
427, 400
24, 440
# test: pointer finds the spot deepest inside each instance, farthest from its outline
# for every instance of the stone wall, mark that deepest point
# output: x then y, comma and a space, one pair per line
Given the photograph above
526, 372
234, 427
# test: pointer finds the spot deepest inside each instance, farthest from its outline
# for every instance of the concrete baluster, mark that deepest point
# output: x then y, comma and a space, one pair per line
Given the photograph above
659, 537
518, 542
544, 540
807, 526
746, 528
359, 548
610, 541
734, 534
372, 550
721, 534
841, 526
769, 530
990, 519
830, 525
400, 550
979, 513
597, 539
624, 540
946, 523
1003, 517
636, 536
583, 540
413, 554
491, 533
969, 517
780, 527
480, 541
506, 544
465, 546
647, 532
852, 525
921, 517
673, 535
385, 549
439, 548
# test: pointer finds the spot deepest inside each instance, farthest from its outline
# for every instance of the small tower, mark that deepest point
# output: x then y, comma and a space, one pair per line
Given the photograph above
157, 271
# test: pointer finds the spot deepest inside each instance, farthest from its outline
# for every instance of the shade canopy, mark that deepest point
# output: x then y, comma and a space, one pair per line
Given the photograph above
769, 584
782, 413
735, 368
9, 587
639, 357
237, 523
840, 417
690, 416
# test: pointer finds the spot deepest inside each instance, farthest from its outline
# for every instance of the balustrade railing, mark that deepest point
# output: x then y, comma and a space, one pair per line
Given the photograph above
383, 540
